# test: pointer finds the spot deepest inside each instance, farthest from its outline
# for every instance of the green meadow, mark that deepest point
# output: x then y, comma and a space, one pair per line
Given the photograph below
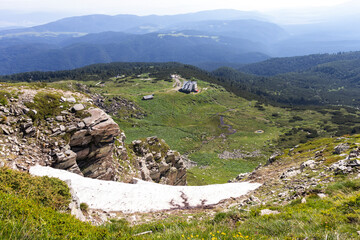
190, 124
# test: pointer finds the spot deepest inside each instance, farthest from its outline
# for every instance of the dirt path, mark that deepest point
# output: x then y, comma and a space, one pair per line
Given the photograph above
230, 128
223, 124
177, 84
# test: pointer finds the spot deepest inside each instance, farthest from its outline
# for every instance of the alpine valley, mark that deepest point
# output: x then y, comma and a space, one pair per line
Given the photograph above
247, 142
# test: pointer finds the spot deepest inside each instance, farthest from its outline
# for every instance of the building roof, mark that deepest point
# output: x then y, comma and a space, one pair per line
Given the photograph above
189, 86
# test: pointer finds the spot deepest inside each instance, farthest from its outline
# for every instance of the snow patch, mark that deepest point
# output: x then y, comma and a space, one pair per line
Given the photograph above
143, 196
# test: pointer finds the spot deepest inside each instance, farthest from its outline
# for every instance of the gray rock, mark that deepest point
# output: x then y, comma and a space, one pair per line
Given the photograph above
59, 118
62, 128
341, 148
94, 146
81, 125
268, 212
71, 100
308, 164
322, 195
290, 173
77, 107
354, 163
165, 170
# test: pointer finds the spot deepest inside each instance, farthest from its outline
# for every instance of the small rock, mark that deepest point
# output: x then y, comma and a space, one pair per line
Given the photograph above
354, 163
268, 212
81, 125
290, 173
59, 118
71, 100
283, 194
321, 195
303, 200
341, 148
77, 107
308, 164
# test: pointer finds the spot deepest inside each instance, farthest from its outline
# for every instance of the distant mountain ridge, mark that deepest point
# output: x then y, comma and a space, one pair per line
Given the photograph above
208, 39
125, 22
78, 41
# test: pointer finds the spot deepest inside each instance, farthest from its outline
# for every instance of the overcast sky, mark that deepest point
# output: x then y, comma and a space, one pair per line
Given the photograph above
146, 7
35, 12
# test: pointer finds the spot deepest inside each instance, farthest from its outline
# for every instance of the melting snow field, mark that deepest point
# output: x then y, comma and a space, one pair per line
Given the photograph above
143, 196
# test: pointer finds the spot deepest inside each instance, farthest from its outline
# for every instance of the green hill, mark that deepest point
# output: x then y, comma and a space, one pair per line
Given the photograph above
202, 126
225, 134
310, 80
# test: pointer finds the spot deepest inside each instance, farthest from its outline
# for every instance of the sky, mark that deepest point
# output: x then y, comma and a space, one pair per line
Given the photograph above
32, 12
161, 7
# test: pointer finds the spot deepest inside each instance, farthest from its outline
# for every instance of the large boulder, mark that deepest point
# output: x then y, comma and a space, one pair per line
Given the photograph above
94, 145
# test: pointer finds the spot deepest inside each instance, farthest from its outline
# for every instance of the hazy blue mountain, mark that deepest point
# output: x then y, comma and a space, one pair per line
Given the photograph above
132, 23
208, 39
254, 30
275, 66
111, 46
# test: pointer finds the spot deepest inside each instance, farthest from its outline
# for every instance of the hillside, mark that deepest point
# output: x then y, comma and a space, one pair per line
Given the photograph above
277, 66
309, 191
223, 133
218, 136
308, 80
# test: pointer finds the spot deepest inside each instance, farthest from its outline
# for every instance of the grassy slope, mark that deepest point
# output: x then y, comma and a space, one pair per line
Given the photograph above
29, 209
23, 215
190, 123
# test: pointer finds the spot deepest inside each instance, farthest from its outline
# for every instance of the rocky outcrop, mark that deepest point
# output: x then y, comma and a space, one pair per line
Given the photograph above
74, 135
239, 154
78, 138
157, 163
118, 106
93, 144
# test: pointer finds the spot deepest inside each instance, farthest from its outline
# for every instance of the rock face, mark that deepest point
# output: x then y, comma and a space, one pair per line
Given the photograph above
78, 138
157, 163
93, 144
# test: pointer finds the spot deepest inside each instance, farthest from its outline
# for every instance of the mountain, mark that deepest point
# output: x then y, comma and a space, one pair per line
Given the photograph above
191, 47
276, 66
324, 79
127, 23
209, 39
223, 37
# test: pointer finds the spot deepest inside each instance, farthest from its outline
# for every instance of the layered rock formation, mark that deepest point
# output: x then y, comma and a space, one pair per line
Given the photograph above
158, 163
93, 144
73, 135
79, 138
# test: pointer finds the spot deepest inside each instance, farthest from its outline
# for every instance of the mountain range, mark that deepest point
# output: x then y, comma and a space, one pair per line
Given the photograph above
208, 39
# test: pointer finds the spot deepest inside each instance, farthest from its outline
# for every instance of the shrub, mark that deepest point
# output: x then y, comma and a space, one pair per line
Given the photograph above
84, 207
4, 98
46, 105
